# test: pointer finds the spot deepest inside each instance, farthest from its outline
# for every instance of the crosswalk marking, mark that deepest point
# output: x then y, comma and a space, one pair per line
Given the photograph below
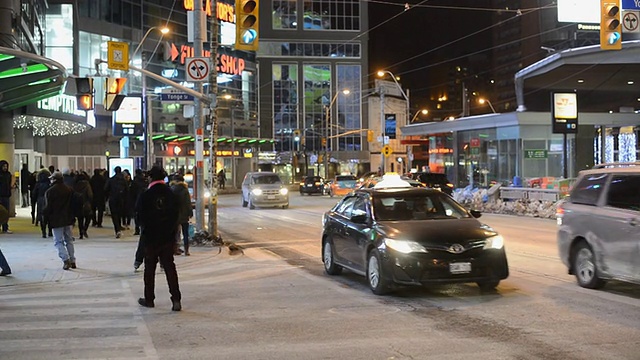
73, 321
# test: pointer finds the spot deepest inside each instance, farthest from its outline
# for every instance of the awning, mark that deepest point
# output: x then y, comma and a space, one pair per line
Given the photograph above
26, 78
605, 80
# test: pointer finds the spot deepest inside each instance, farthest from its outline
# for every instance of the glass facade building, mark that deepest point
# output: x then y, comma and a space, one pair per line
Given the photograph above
308, 58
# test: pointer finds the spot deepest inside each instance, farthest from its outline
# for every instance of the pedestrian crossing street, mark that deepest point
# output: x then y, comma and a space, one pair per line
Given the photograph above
73, 320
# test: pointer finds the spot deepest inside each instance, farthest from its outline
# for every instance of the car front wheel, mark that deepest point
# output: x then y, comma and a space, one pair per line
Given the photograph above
244, 203
377, 282
330, 267
251, 206
585, 267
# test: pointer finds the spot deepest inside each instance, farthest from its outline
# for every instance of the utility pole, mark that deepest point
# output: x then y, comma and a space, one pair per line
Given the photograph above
382, 128
197, 119
213, 123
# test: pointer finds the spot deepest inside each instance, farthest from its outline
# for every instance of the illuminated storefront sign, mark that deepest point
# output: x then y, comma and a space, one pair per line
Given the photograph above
441, 151
218, 153
227, 64
60, 103
225, 12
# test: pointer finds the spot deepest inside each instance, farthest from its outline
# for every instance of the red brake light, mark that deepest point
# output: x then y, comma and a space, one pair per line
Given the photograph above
559, 211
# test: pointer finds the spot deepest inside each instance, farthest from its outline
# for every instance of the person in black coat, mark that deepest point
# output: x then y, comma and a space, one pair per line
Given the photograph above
98, 183
25, 174
33, 180
58, 211
116, 191
157, 212
6, 184
83, 212
185, 211
138, 186
40, 190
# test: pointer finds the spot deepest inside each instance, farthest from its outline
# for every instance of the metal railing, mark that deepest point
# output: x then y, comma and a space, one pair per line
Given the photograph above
529, 194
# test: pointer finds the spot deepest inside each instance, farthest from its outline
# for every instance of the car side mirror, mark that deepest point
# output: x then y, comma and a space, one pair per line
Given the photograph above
360, 219
475, 213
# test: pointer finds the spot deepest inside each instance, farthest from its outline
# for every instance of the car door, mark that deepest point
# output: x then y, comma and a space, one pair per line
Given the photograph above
621, 222
357, 234
340, 219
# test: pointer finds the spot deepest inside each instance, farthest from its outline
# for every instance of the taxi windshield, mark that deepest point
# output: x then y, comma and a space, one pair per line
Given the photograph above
426, 206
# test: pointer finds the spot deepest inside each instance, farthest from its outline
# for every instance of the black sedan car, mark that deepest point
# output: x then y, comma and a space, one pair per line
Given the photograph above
411, 236
312, 185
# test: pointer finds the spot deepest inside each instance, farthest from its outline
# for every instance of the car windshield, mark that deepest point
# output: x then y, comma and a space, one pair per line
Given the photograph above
426, 206
267, 179
346, 181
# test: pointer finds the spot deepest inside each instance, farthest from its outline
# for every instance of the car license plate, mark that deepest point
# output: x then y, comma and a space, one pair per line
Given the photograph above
271, 197
460, 268
309, 185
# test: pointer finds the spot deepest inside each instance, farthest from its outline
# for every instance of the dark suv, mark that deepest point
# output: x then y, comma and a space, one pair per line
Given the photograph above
436, 181
599, 225
312, 185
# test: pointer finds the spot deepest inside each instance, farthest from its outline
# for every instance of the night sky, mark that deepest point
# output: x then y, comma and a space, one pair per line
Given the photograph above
425, 32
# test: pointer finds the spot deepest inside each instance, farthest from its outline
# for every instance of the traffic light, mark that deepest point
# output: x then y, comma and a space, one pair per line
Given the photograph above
324, 142
84, 93
112, 97
247, 25
296, 135
610, 25
370, 135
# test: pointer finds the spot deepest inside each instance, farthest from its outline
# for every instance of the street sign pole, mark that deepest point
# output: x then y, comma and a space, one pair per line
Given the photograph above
213, 123
197, 120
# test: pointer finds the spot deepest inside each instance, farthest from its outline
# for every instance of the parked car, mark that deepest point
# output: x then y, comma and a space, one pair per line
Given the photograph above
342, 185
264, 189
312, 185
436, 181
599, 225
396, 234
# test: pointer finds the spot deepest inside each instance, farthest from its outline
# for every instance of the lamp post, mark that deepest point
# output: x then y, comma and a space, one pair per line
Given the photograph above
423, 111
482, 101
327, 120
146, 104
382, 73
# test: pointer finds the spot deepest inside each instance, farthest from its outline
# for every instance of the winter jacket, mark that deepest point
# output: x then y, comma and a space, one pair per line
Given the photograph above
83, 188
116, 191
5, 180
58, 205
97, 187
157, 212
40, 190
185, 211
25, 176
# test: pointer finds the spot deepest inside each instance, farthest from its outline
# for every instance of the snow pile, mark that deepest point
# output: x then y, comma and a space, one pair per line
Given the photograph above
485, 201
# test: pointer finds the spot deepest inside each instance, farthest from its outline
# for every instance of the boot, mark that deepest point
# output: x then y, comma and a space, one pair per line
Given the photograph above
67, 265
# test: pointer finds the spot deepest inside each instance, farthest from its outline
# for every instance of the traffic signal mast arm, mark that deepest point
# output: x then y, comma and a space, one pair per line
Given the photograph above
347, 133
203, 97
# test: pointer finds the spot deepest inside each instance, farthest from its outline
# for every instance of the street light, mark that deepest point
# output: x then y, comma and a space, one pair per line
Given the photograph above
423, 111
382, 73
482, 101
328, 129
148, 109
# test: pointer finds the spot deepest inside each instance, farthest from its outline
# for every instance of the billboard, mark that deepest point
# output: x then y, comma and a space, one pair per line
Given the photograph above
579, 11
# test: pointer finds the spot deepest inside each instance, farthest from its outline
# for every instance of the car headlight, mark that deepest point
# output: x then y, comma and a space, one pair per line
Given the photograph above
284, 191
494, 242
207, 194
404, 246
256, 192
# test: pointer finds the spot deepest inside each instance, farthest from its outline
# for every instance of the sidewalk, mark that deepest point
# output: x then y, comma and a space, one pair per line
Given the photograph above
34, 259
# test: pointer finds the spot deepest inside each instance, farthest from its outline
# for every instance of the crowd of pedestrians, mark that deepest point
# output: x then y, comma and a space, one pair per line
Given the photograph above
157, 205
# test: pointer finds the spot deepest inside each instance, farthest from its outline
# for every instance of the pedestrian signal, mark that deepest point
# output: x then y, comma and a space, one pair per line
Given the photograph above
84, 93
610, 25
112, 97
370, 135
247, 25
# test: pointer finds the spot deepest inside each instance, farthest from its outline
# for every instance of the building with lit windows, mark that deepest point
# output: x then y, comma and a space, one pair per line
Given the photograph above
310, 52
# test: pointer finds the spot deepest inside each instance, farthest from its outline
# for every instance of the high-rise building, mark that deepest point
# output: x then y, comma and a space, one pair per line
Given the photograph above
312, 69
